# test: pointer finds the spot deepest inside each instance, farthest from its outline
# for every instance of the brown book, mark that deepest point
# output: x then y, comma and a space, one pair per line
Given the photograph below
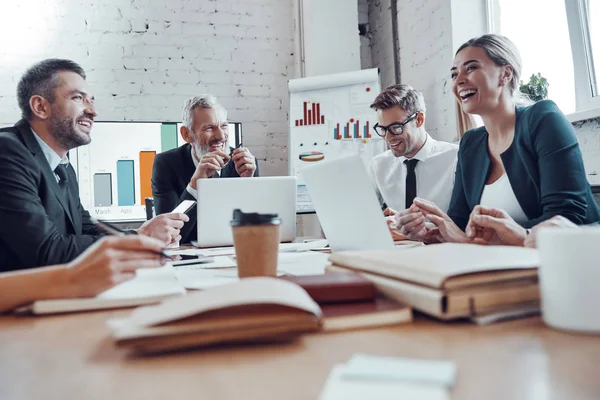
449, 280
254, 309
335, 288
377, 312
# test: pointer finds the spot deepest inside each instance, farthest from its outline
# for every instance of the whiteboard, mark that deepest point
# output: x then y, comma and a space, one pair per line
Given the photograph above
330, 118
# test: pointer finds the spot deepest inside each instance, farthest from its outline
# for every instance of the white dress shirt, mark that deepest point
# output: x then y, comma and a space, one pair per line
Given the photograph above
51, 156
190, 189
434, 172
500, 194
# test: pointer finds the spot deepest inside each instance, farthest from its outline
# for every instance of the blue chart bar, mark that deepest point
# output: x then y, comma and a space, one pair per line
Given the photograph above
356, 130
335, 134
345, 132
125, 183
365, 135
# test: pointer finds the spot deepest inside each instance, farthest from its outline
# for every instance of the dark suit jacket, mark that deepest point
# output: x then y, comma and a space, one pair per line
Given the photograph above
37, 227
171, 174
543, 164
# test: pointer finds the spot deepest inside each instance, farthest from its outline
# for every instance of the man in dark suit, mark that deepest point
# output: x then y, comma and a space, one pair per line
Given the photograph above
205, 155
42, 221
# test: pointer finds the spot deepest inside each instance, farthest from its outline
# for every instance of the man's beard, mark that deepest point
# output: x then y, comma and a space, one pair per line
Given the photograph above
63, 130
200, 151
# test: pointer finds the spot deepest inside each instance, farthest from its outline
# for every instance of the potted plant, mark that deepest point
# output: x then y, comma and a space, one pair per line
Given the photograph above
536, 89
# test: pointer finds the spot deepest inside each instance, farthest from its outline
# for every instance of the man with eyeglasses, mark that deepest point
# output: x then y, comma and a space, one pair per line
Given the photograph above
415, 164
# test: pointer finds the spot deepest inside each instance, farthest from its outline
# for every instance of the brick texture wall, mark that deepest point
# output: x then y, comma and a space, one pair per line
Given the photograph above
145, 57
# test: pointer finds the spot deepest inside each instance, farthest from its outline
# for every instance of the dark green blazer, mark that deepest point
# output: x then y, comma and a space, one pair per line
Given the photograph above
543, 164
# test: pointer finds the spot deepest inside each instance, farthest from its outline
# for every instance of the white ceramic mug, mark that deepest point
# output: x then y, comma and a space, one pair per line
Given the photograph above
570, 278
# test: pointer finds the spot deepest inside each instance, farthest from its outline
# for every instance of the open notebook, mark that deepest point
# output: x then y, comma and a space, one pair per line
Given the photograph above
254, 309
149, 286
449, 280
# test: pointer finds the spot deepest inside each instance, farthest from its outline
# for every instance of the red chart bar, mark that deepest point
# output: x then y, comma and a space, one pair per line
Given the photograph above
318, 113
358, 129
297, 123
339, 135
301, 122
348, 130
368, 135
322, 119
314, 114
305, 112
309, 122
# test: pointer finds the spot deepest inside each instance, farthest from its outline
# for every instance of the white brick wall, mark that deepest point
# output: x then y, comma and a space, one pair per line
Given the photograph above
382, 43
426, 55
588, 135
145, 57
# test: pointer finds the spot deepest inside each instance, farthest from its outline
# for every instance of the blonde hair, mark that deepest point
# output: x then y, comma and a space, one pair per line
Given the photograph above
502, 51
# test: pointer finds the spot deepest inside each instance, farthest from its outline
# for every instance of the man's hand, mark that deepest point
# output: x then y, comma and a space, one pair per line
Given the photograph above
164, 227
110, 261
495, 227
558, 221
447, 230
411, 224
209, 164
396, 235
245, 162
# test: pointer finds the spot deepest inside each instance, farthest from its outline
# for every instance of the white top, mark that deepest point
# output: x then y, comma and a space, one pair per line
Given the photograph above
51, 156
500, 194
434, 172
191, 190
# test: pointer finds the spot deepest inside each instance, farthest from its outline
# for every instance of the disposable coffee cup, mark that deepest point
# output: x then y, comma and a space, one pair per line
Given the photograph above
570, 278
256, 242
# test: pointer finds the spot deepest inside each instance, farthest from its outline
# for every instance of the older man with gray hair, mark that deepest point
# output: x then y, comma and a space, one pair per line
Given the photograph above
206, 154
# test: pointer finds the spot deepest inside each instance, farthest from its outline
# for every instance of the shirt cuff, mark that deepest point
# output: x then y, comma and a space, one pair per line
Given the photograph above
192, 191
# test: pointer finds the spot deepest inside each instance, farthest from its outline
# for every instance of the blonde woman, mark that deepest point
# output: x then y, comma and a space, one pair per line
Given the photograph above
524, 160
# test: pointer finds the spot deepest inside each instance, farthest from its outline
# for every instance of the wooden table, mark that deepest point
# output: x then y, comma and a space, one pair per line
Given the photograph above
72, 357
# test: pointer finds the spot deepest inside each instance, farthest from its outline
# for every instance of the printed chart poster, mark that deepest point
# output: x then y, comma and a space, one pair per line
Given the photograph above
330, 118
115, 170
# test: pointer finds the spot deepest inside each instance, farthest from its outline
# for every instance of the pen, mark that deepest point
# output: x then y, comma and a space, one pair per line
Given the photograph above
113, 230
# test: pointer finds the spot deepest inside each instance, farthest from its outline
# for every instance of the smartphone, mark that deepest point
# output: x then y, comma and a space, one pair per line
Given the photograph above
190, 260
185, 207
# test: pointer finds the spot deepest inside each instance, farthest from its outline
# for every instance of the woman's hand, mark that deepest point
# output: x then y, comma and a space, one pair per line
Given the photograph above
447, 230
110, 261
557, 221
494, 226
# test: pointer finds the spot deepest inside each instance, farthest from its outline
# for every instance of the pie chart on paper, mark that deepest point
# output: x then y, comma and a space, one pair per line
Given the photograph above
311, 156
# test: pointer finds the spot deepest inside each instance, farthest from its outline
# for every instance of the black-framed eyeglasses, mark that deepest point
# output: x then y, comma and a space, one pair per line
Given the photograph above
395, 129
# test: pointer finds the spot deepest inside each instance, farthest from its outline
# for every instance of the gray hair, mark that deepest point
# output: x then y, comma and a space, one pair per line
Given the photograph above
405, 96
202, 101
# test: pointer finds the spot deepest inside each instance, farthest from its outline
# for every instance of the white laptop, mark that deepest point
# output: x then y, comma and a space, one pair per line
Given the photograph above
217, 198
347, 206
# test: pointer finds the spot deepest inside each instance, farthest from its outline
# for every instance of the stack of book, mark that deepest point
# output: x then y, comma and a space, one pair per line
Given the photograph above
450, 280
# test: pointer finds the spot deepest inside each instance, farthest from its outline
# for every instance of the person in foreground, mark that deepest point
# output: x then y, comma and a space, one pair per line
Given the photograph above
42, 219
525, 160
107, 262
416, 164
206, 154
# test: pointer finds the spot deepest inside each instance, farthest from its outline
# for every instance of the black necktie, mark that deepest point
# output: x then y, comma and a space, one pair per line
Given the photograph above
63, 178
411, 181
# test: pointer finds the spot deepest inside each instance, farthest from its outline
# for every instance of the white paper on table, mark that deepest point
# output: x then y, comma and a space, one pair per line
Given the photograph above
218, 262
376, 368
338, 388
147, 282
206, 278
294, 247
302, 263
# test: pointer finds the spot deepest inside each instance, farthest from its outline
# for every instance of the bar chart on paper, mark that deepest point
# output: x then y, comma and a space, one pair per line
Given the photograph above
330, 117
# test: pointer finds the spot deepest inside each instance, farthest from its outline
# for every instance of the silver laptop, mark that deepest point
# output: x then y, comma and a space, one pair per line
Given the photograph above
217, 198
347, 206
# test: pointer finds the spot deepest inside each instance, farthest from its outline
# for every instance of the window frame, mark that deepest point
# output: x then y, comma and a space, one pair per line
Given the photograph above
587, 84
